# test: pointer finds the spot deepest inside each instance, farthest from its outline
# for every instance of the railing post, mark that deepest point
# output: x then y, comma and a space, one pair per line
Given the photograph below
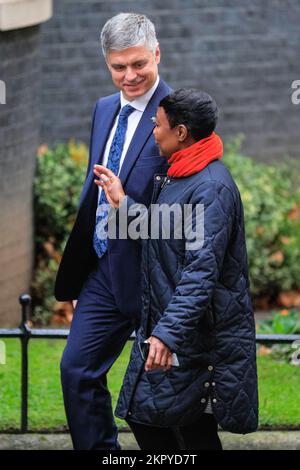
25, 301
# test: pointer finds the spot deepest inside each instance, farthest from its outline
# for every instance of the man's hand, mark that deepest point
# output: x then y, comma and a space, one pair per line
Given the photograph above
111, 184
159, 357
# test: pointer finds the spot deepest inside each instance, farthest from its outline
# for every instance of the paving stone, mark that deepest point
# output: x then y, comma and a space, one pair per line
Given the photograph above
261, 440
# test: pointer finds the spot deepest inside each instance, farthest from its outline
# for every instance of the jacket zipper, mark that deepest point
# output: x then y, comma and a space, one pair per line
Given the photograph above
164, 182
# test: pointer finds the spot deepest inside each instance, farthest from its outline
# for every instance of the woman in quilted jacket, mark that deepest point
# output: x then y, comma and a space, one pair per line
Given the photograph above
193, 362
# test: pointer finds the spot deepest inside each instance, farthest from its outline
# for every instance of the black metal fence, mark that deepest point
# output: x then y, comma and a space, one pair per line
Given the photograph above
25, 334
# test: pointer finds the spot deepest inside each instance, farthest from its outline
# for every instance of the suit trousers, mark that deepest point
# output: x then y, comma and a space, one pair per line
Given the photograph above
97, 336
200, 435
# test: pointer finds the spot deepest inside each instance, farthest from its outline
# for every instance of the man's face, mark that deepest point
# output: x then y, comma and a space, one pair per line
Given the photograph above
133, 70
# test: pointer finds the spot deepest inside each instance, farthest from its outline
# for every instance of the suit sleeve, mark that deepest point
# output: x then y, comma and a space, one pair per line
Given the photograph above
91, 139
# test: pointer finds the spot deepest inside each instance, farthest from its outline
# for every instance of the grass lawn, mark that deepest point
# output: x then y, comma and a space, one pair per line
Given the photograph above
279, 387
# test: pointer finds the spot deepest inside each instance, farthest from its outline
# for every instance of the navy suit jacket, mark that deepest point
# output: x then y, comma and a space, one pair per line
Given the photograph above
141, 162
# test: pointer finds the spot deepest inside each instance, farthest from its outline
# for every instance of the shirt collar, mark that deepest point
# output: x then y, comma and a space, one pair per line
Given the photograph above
140, 103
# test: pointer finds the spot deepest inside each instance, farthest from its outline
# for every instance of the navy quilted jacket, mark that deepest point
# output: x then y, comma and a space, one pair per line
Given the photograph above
198, 303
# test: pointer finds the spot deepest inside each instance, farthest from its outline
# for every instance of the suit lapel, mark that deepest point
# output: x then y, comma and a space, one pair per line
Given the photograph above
143, 131
102, 127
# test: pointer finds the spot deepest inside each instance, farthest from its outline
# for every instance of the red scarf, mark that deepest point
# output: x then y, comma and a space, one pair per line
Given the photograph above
194, 158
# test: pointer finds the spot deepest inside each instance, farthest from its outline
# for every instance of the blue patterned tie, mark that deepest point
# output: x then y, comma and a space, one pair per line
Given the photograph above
113, 163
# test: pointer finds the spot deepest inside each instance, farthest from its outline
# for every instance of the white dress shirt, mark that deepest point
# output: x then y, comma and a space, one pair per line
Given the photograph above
140, 104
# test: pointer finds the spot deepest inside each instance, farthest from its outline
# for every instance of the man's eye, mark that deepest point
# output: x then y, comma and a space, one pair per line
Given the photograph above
140, 65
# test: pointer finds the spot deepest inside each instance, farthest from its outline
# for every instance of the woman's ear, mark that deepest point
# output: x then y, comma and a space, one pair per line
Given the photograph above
182, 132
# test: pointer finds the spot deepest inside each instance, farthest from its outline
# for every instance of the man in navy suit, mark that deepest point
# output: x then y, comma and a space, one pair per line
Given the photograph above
106, 278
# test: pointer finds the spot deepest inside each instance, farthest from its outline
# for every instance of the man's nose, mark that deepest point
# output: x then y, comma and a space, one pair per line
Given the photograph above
130, 75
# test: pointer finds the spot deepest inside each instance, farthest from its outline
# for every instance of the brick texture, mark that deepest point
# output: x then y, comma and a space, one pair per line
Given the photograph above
19, 137
246, 54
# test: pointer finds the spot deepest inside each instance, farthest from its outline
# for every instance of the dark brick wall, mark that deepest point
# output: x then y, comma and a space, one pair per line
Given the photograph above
246, 54
19, 137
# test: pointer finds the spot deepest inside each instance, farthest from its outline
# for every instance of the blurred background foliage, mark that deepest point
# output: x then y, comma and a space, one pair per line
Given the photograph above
271, 198
284, 322
60, 174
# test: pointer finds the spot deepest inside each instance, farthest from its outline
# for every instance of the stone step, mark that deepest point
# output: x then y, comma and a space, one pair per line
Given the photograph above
261, 440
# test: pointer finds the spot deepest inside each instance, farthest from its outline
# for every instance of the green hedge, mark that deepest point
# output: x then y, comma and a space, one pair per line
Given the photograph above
60, 174
270, 194
271, 199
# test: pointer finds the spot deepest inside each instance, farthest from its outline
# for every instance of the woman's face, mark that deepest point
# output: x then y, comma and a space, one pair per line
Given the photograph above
166, 138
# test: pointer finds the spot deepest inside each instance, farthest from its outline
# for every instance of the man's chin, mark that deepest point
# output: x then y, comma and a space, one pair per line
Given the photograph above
133, 92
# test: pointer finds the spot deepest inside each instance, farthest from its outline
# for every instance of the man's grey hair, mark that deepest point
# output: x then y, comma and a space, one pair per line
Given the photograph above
128, 30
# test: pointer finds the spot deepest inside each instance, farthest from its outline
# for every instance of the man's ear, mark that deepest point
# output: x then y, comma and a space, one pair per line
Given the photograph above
182, 132
157, 54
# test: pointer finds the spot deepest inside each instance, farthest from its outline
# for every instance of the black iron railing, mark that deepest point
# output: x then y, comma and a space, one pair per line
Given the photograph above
25, 334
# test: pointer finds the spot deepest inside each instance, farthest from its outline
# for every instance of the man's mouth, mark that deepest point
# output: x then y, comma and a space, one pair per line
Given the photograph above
133, 85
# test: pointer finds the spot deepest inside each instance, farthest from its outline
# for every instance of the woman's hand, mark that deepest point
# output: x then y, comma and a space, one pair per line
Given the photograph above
111, 184
159, 356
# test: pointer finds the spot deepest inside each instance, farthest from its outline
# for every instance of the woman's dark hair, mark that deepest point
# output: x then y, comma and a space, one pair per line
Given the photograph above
195, 109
